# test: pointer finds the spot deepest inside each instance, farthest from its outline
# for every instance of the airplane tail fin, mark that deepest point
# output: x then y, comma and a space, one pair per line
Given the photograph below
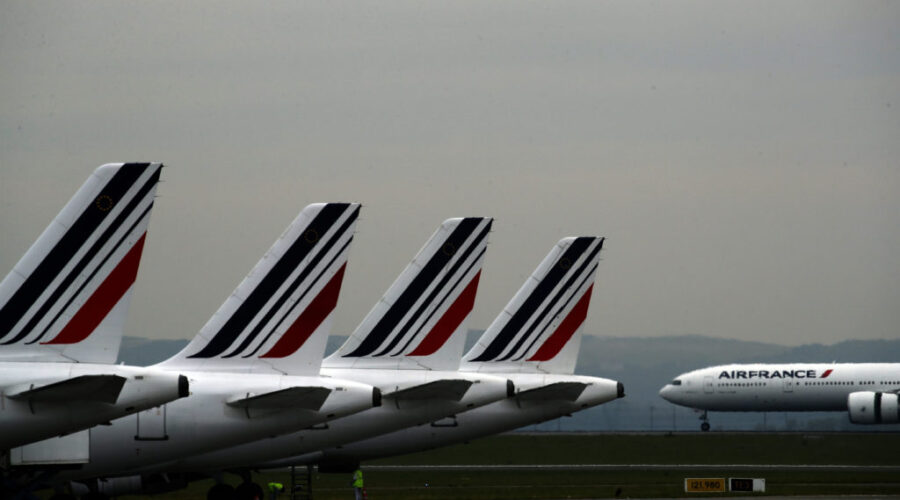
419, 323
67, 298
279, 317
540, 329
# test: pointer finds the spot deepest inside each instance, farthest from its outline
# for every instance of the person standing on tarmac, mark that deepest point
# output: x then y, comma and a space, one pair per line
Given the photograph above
275, 489
358, 484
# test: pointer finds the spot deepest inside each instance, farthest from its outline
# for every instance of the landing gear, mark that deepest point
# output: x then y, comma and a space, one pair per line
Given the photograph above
705, 425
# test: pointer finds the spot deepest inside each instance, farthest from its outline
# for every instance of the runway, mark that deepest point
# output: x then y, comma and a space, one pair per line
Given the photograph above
643, 467
805, 497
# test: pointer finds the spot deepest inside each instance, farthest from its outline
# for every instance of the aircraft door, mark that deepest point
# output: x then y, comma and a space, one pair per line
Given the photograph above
151, 425
708, 384
788, 384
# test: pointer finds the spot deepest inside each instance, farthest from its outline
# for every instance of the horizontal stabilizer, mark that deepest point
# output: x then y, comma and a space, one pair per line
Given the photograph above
93, 388
448, 389
306, 398
566, 391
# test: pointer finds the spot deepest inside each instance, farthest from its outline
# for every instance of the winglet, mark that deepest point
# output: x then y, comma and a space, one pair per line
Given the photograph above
66, 300
540, 329
279, 317
419, 323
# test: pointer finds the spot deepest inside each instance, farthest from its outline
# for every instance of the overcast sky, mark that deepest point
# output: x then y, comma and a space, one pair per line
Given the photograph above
743, 158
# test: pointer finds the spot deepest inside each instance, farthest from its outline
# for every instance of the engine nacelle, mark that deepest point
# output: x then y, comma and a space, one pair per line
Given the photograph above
873, 407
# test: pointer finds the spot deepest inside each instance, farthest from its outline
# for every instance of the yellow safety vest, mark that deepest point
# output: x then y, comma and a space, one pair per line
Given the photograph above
357, 479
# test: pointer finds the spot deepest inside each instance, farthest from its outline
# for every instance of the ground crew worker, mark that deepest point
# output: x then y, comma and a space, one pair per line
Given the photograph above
358, 484
275, 489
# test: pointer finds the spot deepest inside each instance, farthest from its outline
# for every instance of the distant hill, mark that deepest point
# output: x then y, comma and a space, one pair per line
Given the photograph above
144, 352
139, 351
644, 365
606, 355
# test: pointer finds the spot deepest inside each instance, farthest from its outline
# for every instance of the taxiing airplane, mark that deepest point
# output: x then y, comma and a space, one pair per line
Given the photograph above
62, 313
254, 367
534, 342
866, 391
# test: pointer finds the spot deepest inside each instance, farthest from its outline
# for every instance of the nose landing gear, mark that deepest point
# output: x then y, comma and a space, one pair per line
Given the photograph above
705, 418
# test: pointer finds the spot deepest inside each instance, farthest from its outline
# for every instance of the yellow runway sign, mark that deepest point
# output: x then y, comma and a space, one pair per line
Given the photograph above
704, 484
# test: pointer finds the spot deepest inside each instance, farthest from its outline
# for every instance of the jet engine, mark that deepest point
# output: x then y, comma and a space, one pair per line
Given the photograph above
873, 407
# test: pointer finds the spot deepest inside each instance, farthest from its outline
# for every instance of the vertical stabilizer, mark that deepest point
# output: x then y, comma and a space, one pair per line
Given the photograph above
540, 329
419, 323
278, 319
67, 298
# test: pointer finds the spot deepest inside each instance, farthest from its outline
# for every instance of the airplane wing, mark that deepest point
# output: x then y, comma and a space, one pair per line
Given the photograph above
447, 389
94, 388
567, 391
307, 398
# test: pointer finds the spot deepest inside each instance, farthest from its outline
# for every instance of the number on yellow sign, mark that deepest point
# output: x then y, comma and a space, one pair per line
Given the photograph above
704, 484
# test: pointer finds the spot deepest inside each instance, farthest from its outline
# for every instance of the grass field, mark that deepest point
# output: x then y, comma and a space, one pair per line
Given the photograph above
679, 448
869, 464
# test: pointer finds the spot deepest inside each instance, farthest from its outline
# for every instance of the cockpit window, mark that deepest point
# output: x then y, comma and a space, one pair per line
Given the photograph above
676, 382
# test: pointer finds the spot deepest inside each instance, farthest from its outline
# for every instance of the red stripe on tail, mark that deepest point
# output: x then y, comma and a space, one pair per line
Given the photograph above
564, 331
104, 298
310, 319
450, 321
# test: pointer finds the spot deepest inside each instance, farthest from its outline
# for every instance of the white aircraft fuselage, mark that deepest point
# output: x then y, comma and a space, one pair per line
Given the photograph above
156, 439
29, 414
394, 413
780, 387
499, 416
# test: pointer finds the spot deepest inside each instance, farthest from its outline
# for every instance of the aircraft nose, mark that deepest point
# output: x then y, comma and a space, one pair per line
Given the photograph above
666, 392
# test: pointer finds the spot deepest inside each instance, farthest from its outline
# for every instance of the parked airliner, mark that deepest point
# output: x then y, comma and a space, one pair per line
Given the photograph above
408, 346
62, 316
867, 391
534, 342
254, 366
